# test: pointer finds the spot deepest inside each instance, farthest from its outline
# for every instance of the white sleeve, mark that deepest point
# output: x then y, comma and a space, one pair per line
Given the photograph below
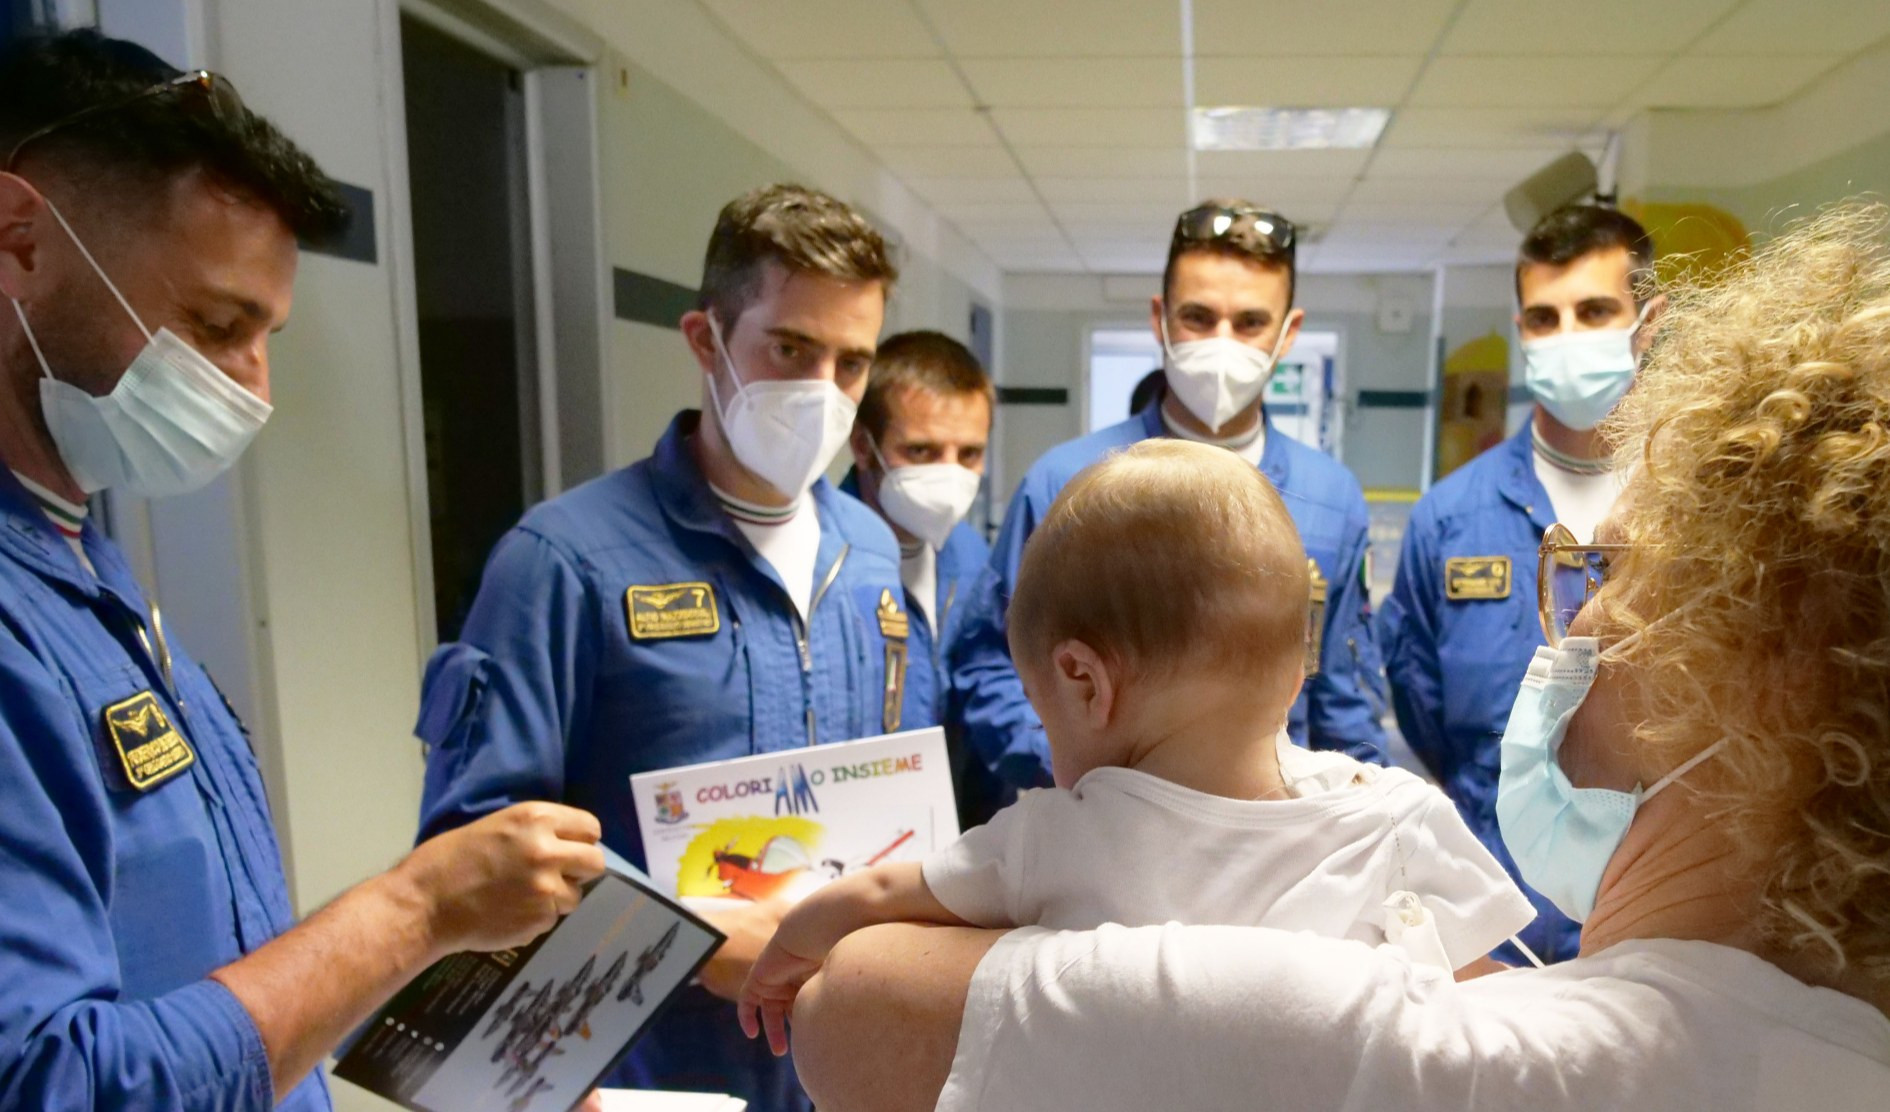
982, 877
1134, 1018
1475, 903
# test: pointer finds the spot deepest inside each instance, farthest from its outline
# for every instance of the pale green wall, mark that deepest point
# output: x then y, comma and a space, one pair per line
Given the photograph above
1768, 206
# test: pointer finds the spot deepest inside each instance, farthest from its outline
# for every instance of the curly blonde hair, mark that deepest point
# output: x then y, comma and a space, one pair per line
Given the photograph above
1758, 439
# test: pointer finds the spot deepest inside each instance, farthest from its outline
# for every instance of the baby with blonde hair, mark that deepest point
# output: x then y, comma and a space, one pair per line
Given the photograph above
1160, 627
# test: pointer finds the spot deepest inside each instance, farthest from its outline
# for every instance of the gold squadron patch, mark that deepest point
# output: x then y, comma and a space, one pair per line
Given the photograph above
151, 750
895, 625
1476, 578
1316, 619
671, 610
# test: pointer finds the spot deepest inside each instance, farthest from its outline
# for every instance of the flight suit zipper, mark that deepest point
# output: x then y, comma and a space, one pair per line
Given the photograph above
801, 640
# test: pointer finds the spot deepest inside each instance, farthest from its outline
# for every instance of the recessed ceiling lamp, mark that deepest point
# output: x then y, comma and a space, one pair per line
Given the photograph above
1286, 129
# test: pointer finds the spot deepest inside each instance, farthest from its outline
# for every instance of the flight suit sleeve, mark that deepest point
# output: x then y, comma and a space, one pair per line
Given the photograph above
999, 724
1408, 630
1346, 699
499, 706
68, 1037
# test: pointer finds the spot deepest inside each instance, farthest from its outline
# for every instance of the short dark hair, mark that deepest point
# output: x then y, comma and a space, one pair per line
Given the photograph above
1179, 246
922, 360
802, 229
1572, 231
152, 140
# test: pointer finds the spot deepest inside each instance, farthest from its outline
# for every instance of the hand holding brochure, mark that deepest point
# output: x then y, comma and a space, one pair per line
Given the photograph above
534, 1029
784, 823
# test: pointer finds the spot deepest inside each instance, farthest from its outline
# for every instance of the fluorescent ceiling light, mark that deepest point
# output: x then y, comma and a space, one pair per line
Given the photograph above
1286, 129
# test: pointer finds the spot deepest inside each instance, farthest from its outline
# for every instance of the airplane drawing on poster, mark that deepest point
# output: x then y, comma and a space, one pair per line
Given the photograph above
782, 824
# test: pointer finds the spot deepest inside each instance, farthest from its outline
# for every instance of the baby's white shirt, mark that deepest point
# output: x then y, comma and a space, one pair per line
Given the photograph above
1125, 847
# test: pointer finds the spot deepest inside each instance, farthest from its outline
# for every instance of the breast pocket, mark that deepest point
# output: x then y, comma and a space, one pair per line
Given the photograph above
168, 897
680, 699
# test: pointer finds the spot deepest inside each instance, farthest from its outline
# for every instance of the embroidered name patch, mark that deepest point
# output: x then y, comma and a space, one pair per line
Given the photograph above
893, 622
151, 750
671, 610
1469, 578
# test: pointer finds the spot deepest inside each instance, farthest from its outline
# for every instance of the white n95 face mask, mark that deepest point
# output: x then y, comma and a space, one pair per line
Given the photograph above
927, 500
1579, 376
1217, 379
785, 431
173, 423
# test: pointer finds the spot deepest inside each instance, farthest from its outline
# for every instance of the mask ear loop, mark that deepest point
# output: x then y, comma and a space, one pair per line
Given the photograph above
96, 269
45, 368
723, 357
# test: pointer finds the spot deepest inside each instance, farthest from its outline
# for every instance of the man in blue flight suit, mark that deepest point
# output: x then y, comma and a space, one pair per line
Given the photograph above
1462, 621
148, 954
1224, 317
919, 447
716, 600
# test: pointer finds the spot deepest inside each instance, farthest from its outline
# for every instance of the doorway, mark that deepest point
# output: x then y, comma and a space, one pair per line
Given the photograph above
472, 261
1301, 397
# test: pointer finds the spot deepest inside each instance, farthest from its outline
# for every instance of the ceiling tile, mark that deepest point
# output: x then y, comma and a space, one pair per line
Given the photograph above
958, 127
1172, 190
826, 28
1348, 233
1039, 260
1424, 190
1769, 27
1301, 82
1091, 127
1486, 127
945, 189
1267, 165
1694, 82
847, 83
1524, 82
1103, 162
1292, 196
1506, 165
1409, 212
936, 162
1596, 27
1076, 82
1130, 219
1011, 213
1301, 27
1030, 28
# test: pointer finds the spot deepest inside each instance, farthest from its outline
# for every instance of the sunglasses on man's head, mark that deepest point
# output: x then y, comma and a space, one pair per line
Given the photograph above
1256, 231
196, 87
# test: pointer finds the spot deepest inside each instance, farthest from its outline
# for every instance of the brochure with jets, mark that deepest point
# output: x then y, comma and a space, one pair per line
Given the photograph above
534, 1029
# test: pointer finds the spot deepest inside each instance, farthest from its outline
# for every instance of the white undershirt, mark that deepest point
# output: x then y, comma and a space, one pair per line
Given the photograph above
67, 517
1248, 446
918, 570
1579, 501
788, 540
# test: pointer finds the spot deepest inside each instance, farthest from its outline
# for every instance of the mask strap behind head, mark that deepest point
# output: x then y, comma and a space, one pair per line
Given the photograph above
1686, 766
96, 269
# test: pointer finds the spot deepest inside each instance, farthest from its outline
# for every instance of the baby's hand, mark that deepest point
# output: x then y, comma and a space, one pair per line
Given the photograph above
772, 985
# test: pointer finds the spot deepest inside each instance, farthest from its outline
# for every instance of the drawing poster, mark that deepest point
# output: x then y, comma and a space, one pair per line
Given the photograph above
784, 823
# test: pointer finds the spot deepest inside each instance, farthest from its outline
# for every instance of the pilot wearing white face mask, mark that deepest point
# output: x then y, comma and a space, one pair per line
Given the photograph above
1456, 630
716, 600
1225, 317
919, 449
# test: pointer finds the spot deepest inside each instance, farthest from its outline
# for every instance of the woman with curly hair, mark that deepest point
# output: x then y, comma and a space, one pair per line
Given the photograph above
1699, 769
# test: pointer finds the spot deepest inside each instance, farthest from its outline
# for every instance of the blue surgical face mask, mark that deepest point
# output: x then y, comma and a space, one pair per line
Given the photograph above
1579, 376
1562, 836
173, 423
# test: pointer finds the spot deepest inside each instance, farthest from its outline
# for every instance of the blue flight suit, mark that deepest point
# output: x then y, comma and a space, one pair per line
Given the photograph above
1340, 706
959, 563
136, 853
1456, 656
552, 693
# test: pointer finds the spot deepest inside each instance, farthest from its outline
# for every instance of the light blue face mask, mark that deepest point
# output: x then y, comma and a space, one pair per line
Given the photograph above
173, 423
1579, 376
1562, 836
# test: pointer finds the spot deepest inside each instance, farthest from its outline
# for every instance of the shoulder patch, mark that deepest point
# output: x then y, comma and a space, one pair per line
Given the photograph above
1476, 578
665, 610
1316, 618
149, 747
